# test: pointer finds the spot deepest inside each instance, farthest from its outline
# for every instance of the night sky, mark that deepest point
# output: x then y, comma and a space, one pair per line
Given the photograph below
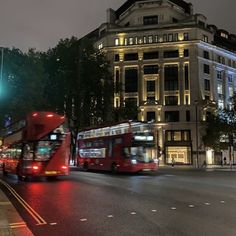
42, 23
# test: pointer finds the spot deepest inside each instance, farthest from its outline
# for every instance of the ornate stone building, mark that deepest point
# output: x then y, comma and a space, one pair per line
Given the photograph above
175, 66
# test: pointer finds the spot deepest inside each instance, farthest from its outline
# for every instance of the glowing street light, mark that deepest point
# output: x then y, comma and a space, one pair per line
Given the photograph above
1, 70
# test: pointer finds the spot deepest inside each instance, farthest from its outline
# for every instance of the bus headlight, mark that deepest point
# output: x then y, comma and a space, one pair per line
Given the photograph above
134, 161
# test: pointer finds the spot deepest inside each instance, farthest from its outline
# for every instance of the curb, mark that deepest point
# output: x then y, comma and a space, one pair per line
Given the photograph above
11, 223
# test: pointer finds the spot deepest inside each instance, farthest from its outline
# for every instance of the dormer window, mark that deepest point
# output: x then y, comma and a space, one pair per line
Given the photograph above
150, 20
222, 34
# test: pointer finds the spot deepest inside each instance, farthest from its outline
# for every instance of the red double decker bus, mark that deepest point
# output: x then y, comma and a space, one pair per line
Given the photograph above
122, 147
38, 145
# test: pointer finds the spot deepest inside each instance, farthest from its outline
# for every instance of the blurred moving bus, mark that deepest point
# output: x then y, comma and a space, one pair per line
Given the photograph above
123, 147
38, 145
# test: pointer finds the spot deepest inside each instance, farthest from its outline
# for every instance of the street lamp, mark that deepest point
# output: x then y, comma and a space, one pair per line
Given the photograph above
1, 70
196, 127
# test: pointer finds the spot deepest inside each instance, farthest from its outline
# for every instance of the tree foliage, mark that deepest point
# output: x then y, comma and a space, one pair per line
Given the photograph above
23, 81
221, 127
78, 84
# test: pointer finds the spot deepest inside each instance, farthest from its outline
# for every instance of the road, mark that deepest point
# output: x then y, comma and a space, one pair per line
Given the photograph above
168, 203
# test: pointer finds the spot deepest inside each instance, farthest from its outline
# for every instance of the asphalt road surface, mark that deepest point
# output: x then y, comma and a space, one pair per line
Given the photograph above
168, 203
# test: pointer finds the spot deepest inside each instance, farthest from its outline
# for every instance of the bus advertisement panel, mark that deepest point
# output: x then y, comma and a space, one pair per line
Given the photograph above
38, 145
123, 147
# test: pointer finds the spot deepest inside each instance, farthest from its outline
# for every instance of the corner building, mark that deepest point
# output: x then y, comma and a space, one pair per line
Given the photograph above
175, 66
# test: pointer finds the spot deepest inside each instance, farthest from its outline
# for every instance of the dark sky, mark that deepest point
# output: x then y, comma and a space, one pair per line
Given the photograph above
42, 23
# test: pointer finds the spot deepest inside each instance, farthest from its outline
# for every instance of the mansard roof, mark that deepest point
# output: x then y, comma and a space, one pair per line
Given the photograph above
186, 6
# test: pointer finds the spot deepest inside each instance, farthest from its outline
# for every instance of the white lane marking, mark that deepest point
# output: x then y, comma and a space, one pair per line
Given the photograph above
54, 223
222, 201
154, 210
110, 216
133, 213
17, 225
191, 206
173, 208
83, 219
207, 203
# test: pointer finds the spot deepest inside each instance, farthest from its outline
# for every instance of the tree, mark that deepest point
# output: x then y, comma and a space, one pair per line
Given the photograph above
23, 77
79, 84
221, 127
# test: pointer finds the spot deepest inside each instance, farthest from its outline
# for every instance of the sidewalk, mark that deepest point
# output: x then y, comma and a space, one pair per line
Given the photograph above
208, 167
11, 223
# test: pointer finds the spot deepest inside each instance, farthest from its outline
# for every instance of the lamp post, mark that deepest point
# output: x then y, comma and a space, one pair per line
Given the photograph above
196, 127
1, 70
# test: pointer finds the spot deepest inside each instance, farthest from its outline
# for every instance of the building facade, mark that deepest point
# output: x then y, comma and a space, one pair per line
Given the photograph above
175, 66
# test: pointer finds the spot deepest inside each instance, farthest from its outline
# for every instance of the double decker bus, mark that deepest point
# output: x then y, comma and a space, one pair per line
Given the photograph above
123, 147
38, 145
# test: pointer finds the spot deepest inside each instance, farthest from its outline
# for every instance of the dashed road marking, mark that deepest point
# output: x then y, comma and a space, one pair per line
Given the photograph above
173, 208
154, 210
83, 219
222, 201
133, 213
191, 206
207, 203
110, 216
54, 223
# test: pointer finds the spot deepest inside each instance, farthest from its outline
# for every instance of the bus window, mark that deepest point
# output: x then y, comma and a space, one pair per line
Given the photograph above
140, 154
28, 152
43, 151
127, 152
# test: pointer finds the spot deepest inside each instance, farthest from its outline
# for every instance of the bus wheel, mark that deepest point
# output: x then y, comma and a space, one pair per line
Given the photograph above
4, 172
85, 166
114, 168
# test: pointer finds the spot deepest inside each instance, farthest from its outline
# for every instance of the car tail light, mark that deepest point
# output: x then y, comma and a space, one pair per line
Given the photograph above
64, 167
35, 167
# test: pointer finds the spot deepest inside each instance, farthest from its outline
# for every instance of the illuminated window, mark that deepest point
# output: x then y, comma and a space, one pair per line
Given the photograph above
205, 38
177, 136
150, 39
131, 41
224, 35
117, 42
100, 46
231, 91
219, 89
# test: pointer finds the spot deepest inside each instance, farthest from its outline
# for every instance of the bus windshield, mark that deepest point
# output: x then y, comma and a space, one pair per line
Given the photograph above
140, 154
